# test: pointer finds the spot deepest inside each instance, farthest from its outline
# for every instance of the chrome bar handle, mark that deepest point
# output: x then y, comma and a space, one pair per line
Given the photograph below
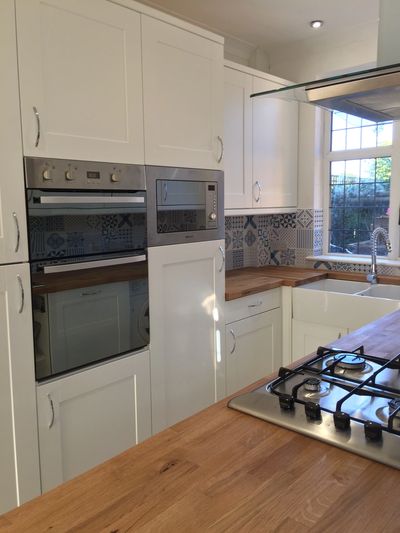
15, 217
69, 267
52, 411
234, 340
257, 183
22, 291
257, 304
223, 258
37, 126
221, 154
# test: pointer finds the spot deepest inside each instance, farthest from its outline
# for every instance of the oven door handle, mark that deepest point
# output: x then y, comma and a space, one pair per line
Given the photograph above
91, 200
52, 269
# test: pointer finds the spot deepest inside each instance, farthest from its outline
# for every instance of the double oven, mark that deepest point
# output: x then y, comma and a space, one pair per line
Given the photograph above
87, 227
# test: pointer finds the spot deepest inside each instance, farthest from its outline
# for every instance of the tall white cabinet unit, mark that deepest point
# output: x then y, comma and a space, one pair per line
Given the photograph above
81, 80
183, 96
186, 290
90, 416
19, 461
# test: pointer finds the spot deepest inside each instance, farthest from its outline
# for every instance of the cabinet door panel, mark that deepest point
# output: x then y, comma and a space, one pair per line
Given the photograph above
237, 139
308, 337
91, 416
253, 348
13, 238
186, 291
19, 458
275, 149
80, 67
183, 97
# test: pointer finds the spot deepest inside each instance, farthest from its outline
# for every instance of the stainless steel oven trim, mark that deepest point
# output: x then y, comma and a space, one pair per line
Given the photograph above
154, 173
69, 267
91, 199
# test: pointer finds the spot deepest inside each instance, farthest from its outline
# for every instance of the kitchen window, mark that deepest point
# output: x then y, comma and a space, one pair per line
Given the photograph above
362, 157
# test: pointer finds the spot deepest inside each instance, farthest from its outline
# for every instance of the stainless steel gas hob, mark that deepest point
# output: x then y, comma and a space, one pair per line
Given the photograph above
348, 399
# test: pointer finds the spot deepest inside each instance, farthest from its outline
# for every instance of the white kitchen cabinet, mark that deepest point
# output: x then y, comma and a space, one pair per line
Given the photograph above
19, 457
186, 292
307, 337
80, 80
253, 338
92, 415
275, 149
238, 138
183, 97
13, 237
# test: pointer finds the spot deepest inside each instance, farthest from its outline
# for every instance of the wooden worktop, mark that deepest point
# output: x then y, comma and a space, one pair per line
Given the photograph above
221, 470
251, 280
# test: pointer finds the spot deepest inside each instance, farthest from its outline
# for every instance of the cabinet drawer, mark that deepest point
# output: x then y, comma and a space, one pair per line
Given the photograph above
252, 305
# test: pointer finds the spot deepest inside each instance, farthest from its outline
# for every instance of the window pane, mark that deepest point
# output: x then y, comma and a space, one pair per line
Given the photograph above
338, 120
368, 137
353, 122
336, 242
338, 171
385, 134
338, 140
337, 218
383, 168
337, 195
353, 139
352, 171
367, 170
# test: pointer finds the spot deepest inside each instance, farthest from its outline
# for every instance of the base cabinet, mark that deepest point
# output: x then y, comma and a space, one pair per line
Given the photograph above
186, 291
253, 349
307, 337
90, 416
19, 456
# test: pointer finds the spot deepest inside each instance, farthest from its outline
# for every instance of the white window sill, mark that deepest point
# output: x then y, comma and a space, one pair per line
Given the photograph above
355, 260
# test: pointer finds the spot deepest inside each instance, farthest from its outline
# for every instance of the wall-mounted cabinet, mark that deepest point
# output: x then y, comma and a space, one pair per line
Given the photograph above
80, 80
183, 97
261, 145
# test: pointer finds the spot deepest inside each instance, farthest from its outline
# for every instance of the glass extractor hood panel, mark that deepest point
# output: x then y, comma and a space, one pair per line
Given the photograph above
373, 94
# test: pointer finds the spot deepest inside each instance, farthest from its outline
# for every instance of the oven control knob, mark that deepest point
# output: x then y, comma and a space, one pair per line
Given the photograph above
46, 174
313, 410
114, 177
286, 402
213, 216
69, 176
372, 430
341, 420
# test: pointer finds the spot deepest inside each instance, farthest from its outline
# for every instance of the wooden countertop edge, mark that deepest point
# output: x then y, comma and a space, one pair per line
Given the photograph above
310, 275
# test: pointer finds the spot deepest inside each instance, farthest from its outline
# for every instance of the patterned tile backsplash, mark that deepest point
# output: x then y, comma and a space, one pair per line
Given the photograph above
282, 239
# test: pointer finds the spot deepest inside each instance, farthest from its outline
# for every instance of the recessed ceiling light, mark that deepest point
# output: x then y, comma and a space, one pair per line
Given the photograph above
316, 24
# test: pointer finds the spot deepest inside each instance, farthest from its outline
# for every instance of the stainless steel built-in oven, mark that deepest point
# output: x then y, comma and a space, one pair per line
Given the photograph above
184, 205
88, 253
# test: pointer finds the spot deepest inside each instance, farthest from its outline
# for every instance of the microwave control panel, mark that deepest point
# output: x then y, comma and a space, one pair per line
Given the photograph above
212, 205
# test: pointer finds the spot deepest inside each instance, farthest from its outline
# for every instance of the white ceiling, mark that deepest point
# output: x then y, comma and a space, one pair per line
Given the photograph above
271, 23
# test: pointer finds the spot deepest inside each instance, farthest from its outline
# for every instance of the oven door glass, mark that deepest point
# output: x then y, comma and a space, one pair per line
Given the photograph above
75, 226
85, 316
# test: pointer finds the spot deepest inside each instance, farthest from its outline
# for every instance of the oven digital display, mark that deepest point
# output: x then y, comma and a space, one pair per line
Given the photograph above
93, 175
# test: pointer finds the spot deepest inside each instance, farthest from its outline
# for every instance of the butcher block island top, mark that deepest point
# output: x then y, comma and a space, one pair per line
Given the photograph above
221, 470
251, 280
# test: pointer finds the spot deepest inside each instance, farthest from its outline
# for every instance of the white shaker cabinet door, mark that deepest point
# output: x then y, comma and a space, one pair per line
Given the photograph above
19, 458
253, 349
183, 97
237, 139
275, 149
88, 417
186, 291
80, 80
13, 239
307, 337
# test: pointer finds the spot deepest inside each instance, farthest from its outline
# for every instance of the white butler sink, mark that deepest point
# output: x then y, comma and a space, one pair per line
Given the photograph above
390, 292
337, 285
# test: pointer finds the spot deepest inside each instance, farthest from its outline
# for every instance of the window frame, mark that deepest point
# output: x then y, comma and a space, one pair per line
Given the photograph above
392, 151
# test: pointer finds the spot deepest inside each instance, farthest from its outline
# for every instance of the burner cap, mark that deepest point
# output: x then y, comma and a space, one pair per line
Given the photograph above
393, 405
313, 385
349, 361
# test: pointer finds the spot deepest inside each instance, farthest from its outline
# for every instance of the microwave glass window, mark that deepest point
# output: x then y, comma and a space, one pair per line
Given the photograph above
180, 220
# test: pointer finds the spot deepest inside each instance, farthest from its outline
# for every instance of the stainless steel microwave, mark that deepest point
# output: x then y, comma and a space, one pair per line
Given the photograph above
184, 205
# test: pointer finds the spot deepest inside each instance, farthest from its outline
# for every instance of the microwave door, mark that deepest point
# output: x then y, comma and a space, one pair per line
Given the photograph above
181, 194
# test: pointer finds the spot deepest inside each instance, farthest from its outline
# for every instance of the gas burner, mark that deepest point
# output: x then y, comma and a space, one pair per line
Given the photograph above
393, 405
349, 361
312, 385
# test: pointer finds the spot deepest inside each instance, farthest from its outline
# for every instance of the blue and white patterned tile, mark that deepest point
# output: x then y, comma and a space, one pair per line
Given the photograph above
305, 239
264, 256
304, 218
262, 221
301, 255
250, 237
288, 236
250, 255
275, 257
237, 239
288, 257
237, 258
228, 240
250, 221
228, 223
237, 222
